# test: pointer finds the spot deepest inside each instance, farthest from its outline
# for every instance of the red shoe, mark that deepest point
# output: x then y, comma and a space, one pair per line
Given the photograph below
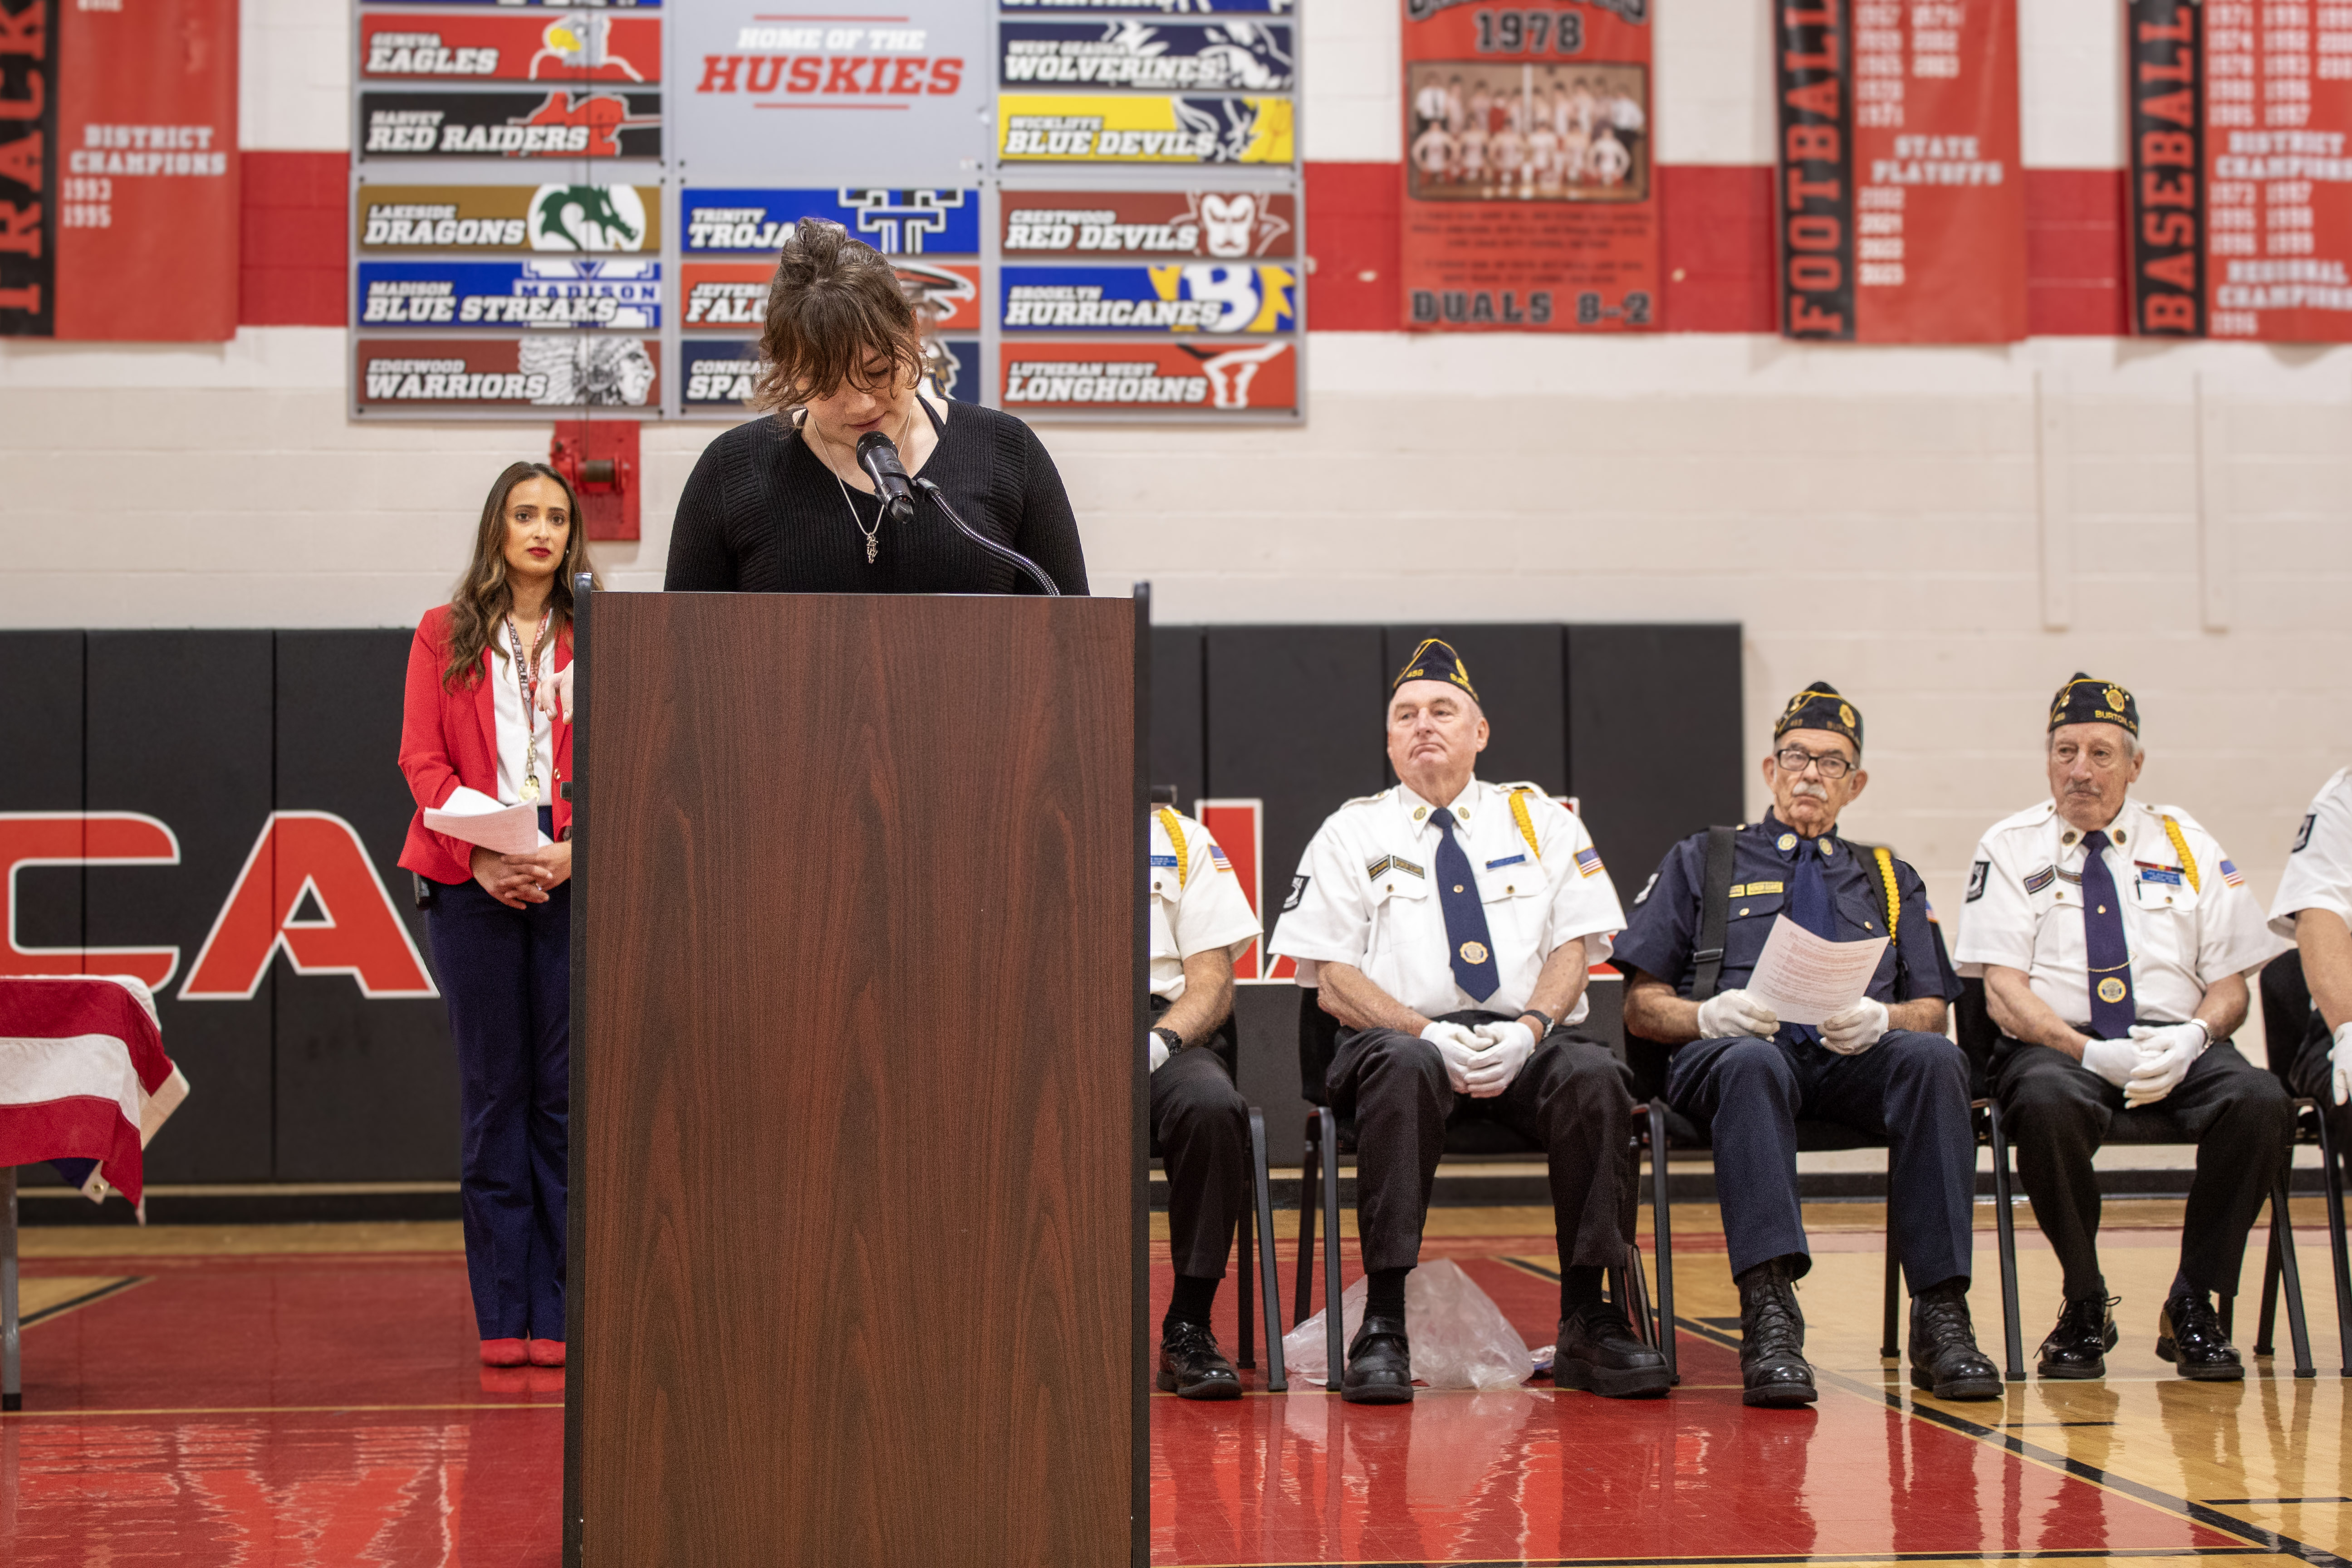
504, 1353
547, 1352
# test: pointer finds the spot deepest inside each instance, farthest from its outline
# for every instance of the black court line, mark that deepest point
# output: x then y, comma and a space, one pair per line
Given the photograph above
111, 1288
2070, 1553
2058, 1424
2241, 1501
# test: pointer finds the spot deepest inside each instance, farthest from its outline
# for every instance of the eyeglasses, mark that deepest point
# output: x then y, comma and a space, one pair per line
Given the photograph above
1833, 764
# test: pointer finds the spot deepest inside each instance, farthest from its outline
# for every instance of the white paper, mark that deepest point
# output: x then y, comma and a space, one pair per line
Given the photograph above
1805, 979
470, 815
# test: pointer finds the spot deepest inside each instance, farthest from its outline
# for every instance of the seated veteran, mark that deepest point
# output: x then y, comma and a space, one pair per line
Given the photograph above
2115, 938
1201, 923
1448, 924
1881, 1066
2314, 910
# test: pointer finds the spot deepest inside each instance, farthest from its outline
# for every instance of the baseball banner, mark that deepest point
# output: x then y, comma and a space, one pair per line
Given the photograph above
1177, 57
625, 294
1200, 297
1152, 377
1082, 225
554, 371
1531, 200
592, 219
946, 296
2164, 57
1082, 128
562, 123
574, 45
893, 222
1901, 214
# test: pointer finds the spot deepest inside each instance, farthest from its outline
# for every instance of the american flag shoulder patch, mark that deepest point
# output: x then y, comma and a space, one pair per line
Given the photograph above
1588, 861
1218, 855
2041, 879
2231, 875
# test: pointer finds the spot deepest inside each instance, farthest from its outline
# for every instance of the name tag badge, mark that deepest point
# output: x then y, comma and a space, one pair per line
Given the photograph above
1508, 860
2169, 876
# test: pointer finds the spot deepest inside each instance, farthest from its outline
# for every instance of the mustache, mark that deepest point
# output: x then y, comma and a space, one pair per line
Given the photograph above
1806, 787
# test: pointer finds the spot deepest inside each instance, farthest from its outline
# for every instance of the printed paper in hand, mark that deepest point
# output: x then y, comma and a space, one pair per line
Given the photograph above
1805, 979
476, 819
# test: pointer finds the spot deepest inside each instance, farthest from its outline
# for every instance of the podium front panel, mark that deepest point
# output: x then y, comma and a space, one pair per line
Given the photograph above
854, 1067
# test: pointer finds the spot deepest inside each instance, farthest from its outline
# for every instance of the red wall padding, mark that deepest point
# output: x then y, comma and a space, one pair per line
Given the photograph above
295, 239
2074, 253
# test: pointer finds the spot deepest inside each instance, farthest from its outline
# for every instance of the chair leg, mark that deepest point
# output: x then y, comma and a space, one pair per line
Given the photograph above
1637, 1313
1661, 1227
2005, 1230
2290, 1277
2265, 1325
1270, 1295
1244, 1336
1311, 1178
1888, 1350
2336, 1245
12, 1384
1331, 1305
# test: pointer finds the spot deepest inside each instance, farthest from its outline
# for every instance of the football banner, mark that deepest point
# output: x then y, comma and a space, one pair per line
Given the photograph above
895, 222
1530, 199
1176, 56
1087, 224
592, 218
1152, 377
576, 46
1198, 297
1082, 128
946, 296
1902, 211
617, 293
558, 124
553, 370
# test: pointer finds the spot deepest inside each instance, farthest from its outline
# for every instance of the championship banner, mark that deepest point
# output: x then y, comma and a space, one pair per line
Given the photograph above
1182, 56
1531, 201
1152, 377
895, 222
2164, 61
625, 295
1079, 129
28, 168
592, 219
718, 374
576, 46
946, 296
562, 123
1196, 297
1901, 214
554, 371
1086, 224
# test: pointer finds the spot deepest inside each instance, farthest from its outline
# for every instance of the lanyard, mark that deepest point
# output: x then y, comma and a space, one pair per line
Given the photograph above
527, 683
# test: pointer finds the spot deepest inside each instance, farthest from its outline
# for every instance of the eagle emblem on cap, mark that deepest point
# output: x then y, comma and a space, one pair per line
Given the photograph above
2115, 698
1845, 714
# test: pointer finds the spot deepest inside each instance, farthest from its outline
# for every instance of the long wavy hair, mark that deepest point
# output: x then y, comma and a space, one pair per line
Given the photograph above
482, 598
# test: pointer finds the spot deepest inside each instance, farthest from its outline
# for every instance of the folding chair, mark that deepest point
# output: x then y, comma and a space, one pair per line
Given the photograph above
2287, 1015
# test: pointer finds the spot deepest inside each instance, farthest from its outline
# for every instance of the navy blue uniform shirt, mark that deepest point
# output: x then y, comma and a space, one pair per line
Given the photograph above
1665, 917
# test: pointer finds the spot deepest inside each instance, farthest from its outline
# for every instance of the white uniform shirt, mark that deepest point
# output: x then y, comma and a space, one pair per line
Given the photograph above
2184, 928
508, 707
1197, 902
2320, 871
1364, 895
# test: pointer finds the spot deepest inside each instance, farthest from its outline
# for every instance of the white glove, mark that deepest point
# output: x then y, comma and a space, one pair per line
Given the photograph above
2165, 1054
1158, 1048
1505, 1048
1461, 1048
1856, 1030
1726, 1015
2341, 1055
2112, 1060
554, 697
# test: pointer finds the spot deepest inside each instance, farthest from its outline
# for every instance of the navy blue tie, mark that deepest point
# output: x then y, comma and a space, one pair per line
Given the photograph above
2107, 953
1468, 946
1809, 906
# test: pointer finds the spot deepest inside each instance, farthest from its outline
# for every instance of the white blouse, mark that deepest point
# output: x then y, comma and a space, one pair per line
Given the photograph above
507, 702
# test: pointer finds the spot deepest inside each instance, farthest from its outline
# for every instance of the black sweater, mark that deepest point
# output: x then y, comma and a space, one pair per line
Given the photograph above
762, 515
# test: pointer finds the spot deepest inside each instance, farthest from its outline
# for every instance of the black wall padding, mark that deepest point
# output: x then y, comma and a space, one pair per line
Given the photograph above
41, 770
1178, 736
366, 1090
1521, 675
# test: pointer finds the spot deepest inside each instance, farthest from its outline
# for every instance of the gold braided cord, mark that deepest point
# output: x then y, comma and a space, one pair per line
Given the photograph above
1886, 879
2181, 848
1526, 824
1176, 836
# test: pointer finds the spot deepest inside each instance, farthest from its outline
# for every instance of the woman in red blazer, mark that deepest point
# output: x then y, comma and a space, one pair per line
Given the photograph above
478, 735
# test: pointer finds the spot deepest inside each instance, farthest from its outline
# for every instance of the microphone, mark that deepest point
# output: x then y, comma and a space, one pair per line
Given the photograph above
879, 456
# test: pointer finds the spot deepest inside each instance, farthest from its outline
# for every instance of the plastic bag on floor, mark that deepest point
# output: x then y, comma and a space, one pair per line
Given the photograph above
1460, 1337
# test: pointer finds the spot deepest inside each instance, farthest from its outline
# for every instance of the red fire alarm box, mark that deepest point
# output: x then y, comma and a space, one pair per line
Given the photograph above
599, 456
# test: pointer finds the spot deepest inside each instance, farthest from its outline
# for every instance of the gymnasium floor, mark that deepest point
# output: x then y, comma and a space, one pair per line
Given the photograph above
306, 1394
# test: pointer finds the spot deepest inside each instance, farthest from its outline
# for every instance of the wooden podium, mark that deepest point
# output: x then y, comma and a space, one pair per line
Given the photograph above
858, 1231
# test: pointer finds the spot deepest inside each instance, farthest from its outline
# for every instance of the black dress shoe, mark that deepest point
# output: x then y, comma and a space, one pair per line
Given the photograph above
1192, 1367
1772, 1338
1380, 1364
2079, 1342
1945, 1359
2190, 1336
1597, 1350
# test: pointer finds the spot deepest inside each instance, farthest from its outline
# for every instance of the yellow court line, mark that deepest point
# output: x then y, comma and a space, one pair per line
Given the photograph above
272, 1410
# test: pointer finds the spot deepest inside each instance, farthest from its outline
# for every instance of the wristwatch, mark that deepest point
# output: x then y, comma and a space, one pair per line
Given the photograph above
1171, 1039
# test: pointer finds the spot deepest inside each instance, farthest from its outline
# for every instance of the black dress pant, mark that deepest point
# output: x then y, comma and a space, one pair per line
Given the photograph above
2059, 1111
1572, 1098
1199, 1130
2314, 1076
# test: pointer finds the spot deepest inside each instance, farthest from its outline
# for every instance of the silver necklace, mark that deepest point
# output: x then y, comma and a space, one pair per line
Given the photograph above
871, 534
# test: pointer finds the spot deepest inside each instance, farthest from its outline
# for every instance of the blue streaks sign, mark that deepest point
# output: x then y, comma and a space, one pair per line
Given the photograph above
617, 293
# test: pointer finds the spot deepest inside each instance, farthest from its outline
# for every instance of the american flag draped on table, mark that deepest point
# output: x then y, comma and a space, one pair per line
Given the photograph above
83, 1078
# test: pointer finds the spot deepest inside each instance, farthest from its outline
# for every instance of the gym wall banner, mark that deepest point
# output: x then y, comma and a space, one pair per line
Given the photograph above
1531, 200
119, 179
1902, 212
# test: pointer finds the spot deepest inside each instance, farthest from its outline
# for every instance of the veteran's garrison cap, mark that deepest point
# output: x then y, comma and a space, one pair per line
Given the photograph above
1818, 707
2082, 700
1435, 660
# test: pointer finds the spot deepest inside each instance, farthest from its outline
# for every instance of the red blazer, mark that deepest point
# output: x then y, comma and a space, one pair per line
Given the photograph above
451, 737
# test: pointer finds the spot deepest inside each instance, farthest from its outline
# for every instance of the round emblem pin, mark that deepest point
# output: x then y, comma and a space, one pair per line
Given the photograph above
1474, 951
1785, 842
2112, 990
1845, 714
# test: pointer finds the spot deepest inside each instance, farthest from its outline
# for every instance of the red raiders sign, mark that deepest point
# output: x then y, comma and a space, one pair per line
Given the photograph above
1228, 226
1193, 377
572, 46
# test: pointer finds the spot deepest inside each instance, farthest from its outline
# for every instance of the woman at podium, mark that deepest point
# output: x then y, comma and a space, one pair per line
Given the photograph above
783, 505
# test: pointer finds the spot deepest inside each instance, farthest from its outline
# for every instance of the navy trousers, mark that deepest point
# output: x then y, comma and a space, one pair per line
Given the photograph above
1911, 1089
507, 976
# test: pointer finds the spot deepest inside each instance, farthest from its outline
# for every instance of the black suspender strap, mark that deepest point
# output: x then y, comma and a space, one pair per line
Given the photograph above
1714, 914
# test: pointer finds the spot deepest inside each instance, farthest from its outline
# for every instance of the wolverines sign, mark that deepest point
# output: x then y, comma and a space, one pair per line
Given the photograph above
1077, 128
592, 218
1185, 57
1196, 297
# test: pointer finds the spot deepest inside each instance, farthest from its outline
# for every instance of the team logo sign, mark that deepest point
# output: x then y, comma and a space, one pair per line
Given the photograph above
1185, 57
1164, 7
617, 293
594, 218
893, 222
560, 124
1053, 128
1201, 297
1227, 225
1192, 376
946, 297
721, 374
574, 45
549, 371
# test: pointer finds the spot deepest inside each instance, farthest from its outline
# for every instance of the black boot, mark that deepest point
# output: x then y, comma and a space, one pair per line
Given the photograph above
1597, 1350
1945, 1359
2190, 1336
1192, 1367
2078, 1344
1772, 1338
1380, 1364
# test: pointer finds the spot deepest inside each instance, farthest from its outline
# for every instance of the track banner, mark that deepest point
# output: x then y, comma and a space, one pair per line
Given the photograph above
1530, 196
1902, 210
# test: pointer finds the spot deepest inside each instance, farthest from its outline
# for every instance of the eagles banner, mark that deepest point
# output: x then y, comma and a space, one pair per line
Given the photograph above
569, 47
1081, 224
477, 218
1195, 296
893, 222
1152, 377
1080, 129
